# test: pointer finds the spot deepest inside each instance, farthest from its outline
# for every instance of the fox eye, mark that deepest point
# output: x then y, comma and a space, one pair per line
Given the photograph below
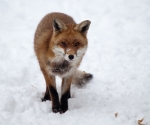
63, 44
76, 44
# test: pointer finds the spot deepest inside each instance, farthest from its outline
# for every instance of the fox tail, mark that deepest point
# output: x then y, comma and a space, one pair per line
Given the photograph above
80, 78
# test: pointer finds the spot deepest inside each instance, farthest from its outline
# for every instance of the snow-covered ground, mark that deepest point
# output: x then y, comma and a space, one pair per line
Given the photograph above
118, 56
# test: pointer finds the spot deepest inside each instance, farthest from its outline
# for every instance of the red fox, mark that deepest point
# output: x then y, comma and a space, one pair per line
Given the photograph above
60, 45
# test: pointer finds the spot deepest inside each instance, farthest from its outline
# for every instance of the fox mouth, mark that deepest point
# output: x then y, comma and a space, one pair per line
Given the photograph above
61, 68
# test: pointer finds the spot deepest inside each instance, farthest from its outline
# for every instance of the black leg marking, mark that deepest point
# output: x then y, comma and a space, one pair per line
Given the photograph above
47, 95
55, 100
64, 101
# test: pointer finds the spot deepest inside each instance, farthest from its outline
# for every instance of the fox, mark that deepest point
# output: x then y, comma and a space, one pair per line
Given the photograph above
60, 44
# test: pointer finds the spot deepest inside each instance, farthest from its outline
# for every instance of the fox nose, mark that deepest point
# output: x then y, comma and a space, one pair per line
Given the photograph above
70, 57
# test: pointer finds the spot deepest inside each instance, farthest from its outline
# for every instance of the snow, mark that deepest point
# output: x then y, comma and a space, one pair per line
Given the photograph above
118, 56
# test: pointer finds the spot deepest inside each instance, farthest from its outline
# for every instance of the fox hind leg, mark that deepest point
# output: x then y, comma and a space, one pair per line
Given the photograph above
47, 95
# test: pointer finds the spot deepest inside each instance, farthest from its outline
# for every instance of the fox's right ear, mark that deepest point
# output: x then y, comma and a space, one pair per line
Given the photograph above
58, 26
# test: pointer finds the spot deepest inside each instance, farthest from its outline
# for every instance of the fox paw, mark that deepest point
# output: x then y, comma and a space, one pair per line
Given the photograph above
64, 108
56, 109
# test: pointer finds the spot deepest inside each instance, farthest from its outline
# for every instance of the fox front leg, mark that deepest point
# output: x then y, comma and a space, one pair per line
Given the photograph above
66, 83
55, 99
51, 92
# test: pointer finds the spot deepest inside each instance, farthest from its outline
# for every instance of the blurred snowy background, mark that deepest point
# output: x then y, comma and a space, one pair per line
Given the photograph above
118, 56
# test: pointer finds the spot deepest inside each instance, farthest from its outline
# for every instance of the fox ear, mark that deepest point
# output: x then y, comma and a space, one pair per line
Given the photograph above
83, 26
58, 25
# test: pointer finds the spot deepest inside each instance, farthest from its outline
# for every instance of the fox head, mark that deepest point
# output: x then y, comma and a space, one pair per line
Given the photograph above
69, 41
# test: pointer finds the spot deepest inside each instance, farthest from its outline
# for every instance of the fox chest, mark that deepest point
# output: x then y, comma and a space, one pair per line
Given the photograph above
60, 68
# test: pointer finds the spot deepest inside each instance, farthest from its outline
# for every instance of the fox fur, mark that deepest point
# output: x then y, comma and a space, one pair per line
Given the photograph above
60, 45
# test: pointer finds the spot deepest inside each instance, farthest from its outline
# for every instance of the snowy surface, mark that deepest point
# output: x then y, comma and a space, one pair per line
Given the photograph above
118, 56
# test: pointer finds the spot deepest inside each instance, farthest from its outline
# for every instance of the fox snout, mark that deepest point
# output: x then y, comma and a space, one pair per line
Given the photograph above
71, 57
70, 54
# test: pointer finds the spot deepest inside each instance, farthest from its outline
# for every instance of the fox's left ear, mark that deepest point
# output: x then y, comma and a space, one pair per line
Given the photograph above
83, 27
58, 26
